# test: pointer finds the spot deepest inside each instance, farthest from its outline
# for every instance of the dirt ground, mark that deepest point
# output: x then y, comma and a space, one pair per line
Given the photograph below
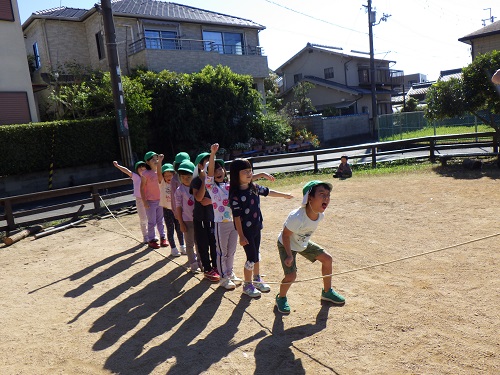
92, 300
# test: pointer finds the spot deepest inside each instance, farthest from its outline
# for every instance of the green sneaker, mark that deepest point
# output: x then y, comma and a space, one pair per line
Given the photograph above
282, 304
332, 296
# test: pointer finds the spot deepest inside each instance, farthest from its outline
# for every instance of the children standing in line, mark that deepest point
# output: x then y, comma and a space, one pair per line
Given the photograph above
173, 227
203, 220
185, 207
175, 183
295, 238
150, 193
139, 168
226, 235
245, 205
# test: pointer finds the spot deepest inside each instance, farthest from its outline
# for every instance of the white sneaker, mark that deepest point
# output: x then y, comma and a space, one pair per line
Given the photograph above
251, 291
194, 267
235, 279
183, 250
174, 252
227, 283
261, 285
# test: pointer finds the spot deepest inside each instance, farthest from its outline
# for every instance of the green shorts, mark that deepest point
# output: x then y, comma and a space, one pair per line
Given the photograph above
311, 252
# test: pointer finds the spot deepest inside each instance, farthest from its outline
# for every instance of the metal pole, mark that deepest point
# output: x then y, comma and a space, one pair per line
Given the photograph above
371, 20
116, 84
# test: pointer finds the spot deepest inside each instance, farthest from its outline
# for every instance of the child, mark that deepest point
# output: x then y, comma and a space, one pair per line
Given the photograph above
295, 238
344, 169
226, 235
165, 176
185, 207
244, 198
139, 168
203, 220
175, 183
150, 193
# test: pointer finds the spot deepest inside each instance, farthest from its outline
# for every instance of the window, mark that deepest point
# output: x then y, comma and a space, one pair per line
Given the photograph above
329, 73
6, 11
14, 108
297, 78
223, 42
100, 45
36, 55
161, 39
364, 76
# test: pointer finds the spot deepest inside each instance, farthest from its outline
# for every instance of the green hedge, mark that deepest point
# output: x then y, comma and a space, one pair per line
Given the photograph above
33, 147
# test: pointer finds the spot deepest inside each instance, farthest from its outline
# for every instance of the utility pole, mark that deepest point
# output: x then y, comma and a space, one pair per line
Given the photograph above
371, 21
116, 84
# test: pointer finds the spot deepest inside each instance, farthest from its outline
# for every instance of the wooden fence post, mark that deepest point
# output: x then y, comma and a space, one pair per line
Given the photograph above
316, 167
374, 156
9, 216
95, 198
432, 146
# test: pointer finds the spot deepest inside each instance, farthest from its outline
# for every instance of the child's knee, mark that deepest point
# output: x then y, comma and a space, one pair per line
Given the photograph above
325, 258
289, 277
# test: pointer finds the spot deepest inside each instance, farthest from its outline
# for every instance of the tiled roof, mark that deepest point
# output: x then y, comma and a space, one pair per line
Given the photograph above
152, 9
446, 75
491, 29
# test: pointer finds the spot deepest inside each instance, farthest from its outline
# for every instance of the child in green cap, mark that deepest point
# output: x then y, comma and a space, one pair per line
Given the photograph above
295, 239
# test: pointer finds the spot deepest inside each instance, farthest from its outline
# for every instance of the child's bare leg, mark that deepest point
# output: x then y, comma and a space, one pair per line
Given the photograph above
286, 283
247, 275
326, 269
256, 268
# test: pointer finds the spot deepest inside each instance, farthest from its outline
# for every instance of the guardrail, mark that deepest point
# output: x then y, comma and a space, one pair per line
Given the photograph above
426, 147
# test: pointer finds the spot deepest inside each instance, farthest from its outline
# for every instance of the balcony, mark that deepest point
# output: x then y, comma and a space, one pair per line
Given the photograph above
383, 76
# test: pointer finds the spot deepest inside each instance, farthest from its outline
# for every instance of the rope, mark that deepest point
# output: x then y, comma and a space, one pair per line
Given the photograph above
338, 273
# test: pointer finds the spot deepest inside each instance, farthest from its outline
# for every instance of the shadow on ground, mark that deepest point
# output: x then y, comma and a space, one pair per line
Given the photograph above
462, 171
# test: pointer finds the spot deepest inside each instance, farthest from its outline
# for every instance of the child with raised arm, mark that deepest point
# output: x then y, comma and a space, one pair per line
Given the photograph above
244, 198
150, 193
295, 239
139, 168
165, 176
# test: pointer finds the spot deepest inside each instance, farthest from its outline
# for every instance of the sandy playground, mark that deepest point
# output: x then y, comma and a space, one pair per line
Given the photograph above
92, 300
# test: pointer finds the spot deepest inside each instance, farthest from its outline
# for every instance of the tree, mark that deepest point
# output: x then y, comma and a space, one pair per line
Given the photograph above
272, 91
411, 105
302, 102
474, 93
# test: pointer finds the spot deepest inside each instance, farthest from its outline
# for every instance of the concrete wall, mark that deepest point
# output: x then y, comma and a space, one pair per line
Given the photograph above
332, 129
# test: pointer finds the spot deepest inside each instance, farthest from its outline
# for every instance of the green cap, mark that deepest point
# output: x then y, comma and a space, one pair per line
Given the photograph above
220, 162
149, 155
307, 187
200, 157
167, 167
180, 157
186, 166
138, 164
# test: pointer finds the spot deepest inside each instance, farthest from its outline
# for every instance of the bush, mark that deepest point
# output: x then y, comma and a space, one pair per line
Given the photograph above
276, 128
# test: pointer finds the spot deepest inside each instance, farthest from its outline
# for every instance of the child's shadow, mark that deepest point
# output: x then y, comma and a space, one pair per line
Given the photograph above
274, 355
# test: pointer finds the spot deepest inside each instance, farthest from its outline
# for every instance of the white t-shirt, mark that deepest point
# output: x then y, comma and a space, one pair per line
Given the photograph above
165, 194
136, 179
302, 227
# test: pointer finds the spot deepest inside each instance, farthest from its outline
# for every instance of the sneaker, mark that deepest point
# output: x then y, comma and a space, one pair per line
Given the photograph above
194, 267
153, 244
174, 252
183, 250
235, 279
261, 285
163, 242
226, 283
250, 290
282, 304
211, 276
332, 296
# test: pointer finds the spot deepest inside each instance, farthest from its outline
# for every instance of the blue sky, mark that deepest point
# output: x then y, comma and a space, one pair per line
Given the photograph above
420, 35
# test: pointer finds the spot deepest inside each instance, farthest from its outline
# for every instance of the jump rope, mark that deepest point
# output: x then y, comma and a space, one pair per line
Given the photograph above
323, 276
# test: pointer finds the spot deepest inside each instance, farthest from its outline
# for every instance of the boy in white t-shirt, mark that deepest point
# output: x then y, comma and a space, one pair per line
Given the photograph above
295, 239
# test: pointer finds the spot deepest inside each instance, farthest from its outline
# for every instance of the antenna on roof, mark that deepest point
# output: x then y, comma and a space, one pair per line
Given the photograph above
491, 18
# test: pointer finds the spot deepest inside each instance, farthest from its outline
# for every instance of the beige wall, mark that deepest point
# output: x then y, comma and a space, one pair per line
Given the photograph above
14, 74
484, 45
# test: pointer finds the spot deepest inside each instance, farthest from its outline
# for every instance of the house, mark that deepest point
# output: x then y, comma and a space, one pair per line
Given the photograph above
150, 34
483, 40
342, 81
17, 104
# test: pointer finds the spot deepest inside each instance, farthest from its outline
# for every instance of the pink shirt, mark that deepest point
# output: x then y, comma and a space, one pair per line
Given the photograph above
136, 179
152, 188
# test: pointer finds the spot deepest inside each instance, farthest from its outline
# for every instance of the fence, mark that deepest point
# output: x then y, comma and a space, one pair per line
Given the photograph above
426, 147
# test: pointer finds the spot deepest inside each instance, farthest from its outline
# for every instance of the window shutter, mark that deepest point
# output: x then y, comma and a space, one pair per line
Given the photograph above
6, 11
14, 108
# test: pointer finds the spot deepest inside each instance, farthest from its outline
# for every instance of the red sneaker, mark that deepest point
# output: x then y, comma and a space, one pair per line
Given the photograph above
153, 244
163, 242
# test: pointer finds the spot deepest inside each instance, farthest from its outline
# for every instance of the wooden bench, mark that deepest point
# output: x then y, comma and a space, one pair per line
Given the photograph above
444, 158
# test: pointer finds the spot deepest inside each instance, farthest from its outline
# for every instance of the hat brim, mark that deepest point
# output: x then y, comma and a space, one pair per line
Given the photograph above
305, 198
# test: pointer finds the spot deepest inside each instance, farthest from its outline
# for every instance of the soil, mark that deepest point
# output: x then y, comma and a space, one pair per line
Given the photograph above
416, 255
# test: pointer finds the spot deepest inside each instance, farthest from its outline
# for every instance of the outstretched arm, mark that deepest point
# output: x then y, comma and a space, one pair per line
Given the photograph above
265, 175
279, 194
125, 170
211, 162
158, 168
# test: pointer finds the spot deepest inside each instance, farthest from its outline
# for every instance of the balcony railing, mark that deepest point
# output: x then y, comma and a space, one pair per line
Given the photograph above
193, 45
383, 76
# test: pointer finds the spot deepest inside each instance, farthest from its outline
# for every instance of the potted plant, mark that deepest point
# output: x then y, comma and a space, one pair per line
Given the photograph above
239, 147
223, 153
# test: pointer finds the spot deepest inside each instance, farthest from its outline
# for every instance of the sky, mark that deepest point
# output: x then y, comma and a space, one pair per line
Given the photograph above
420, 36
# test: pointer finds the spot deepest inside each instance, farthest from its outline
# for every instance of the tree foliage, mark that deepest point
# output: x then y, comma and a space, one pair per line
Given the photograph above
473, 93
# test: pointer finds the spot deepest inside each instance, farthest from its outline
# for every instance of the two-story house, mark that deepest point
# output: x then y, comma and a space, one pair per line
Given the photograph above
483, 40
17, 104
341, 81
150, 34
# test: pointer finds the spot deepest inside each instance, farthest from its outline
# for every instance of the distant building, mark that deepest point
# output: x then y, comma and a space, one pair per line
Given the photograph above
17, 104
483, 40
151, 34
